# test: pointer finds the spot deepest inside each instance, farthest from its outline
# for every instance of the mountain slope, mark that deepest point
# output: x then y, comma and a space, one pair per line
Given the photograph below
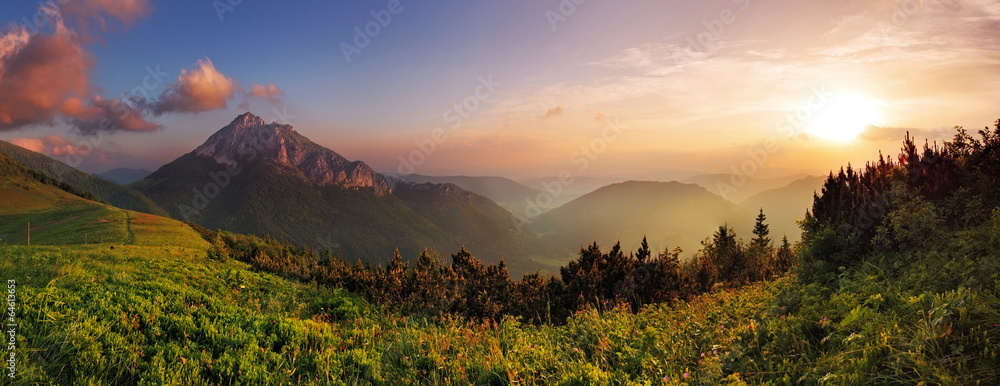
124, 176
737, 188
256, 178
263, 191
108, 191
479, 224
57, 217
508, 193
670, 214
562, 193
784, 205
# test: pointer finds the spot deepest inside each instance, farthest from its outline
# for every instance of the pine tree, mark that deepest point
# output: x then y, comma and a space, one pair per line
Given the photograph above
761, 231
643, 253
785, 256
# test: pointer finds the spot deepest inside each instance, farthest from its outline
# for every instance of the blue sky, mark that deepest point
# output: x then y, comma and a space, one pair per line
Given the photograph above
895, 65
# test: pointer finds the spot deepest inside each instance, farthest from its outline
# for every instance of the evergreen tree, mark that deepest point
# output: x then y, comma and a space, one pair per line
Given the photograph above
761, 231
785, 257
643, 253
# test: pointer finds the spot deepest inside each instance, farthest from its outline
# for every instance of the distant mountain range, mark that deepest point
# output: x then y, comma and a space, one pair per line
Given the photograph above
258, 178
124, 176
737, 188
670, 214
510, 194
784, 205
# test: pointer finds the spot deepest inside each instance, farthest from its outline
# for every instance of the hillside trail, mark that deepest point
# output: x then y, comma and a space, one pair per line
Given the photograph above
129, 236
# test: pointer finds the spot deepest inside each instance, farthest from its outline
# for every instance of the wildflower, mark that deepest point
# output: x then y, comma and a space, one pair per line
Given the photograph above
702, 355
665, 378
686, 375
715, 352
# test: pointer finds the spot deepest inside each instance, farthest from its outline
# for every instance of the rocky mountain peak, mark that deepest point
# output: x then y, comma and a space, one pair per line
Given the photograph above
249, 139
248, 119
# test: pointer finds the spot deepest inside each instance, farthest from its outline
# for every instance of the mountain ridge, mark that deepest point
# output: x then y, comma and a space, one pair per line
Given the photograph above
669, 214
256, 178
248, 137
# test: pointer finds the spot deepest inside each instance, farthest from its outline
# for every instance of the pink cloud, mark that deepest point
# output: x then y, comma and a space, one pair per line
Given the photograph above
38, 73
36, 145
201, 89
107, 115
269, 93
262, 92
45, 78
51, 145
127, 12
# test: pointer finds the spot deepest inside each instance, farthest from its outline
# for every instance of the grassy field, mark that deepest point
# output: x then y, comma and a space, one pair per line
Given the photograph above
169, 315
89, 315
60, 218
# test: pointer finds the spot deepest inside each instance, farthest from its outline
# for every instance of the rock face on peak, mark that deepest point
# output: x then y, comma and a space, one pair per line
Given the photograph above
248, 119
249, 138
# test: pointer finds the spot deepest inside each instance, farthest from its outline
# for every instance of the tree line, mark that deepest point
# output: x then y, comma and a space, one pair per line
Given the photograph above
602, 279
852, 216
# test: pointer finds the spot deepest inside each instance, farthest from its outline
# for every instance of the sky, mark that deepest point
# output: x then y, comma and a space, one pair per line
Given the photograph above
518, 88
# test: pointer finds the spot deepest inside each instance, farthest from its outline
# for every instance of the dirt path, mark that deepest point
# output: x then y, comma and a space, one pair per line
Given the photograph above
129, 236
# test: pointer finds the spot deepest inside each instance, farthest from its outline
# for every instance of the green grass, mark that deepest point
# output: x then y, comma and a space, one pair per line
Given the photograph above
57, 217
169, 315
75, 223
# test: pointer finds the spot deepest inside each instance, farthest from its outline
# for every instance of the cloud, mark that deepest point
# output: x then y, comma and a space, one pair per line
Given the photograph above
107, 115
50, 145
553, 112
262, 92
270, 93
896, 134
103, 12
39, 72
200, 89
45, 77
34, 144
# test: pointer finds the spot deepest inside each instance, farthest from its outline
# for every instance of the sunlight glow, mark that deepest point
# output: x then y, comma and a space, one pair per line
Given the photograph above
843, 117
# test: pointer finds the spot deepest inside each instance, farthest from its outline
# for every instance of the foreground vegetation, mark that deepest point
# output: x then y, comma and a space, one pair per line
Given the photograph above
897, 282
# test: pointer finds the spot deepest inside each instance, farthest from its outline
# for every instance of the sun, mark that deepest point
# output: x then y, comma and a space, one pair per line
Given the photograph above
843, 117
